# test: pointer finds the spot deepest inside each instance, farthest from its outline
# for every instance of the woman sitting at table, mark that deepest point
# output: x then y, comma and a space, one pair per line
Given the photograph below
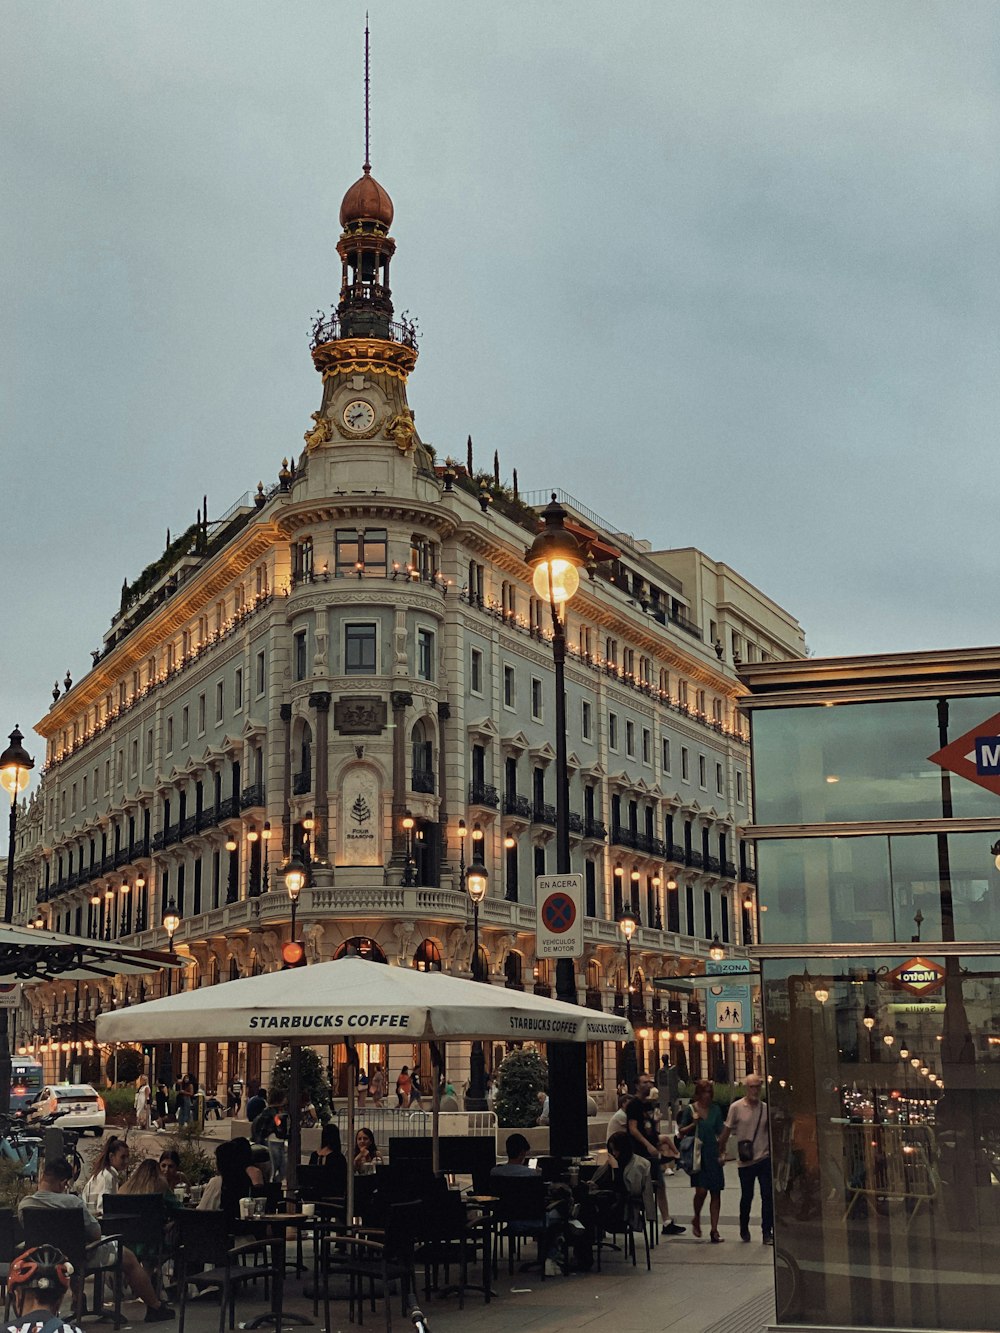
147, 1178
628, 1178
238, 1179
109, 1166
331, 1156
366, 1155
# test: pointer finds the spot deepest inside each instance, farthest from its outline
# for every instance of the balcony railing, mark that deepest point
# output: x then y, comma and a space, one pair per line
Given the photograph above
729, 869
624, 837
171, 834
422, 781
694, 859
301, 784
481, 793
713, 865
575, 822
252, 796
593, 828
748, 875
543, 813
675, 852
327, 328
229, 808
517, 805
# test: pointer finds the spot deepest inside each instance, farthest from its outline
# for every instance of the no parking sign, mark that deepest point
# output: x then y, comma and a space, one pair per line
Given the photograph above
559, 908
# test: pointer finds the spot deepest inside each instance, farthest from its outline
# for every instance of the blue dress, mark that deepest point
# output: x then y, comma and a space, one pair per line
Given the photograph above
711, 1177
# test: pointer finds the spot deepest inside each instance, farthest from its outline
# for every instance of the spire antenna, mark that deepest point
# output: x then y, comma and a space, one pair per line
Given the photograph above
368, 164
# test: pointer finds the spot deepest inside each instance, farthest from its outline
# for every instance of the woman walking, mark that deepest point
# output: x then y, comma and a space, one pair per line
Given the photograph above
703, 1118
143, 1098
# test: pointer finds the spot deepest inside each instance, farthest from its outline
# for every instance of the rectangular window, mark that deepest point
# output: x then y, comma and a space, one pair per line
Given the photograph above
665, 753
476, 672
169, 740
587, 721
699, 700
612, 731
347, 552
590, 887
719, 787
185, 726
630, 738
220, 700
685, 764
647, 746
536, 699
739, 787
134, 758
509, 687
702, 773
539, 861
72, 800
300, 655
260, 678
359, 649
147, 757
238, 690
682, 693
425, 653
201, 715
709, 931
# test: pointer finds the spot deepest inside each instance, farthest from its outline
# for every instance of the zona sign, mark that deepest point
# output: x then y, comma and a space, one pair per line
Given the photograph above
920, 976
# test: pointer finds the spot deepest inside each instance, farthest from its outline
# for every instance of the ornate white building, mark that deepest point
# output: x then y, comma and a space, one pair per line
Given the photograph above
357, 647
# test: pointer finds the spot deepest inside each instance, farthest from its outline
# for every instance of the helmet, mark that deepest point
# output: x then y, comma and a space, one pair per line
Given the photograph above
44, 1268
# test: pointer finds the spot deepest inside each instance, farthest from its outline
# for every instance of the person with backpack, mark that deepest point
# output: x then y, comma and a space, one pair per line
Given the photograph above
38, 1281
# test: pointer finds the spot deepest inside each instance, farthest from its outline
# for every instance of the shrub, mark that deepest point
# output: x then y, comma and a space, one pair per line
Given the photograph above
196, 1165
125, 1066
312, 1080
119, 1105
520, 1078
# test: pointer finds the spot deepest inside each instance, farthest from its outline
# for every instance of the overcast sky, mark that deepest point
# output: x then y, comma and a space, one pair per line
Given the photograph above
727, 272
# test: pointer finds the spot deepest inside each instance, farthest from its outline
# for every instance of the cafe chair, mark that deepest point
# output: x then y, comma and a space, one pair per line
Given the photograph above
444, 1243
141, 1221
10, 1239
375, 1258
64, 1228
522, 1214
207, 1256
616, 1214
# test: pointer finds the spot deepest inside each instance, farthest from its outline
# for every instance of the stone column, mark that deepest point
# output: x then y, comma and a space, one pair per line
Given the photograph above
400, 701
444, 714
320, 700
286, 798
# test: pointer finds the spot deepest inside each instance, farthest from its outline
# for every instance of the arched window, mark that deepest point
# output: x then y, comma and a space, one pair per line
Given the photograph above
360, 946
427, 957
481, 965
514, 971
423, 758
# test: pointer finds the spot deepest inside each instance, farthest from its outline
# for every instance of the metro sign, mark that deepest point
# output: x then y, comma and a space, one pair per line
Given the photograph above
920, 976
975, 756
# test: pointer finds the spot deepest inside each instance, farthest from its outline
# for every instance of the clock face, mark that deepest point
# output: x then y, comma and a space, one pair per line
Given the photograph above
358, 415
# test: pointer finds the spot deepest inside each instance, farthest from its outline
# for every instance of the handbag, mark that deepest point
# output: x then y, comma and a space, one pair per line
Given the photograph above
744, 1147
690, 1153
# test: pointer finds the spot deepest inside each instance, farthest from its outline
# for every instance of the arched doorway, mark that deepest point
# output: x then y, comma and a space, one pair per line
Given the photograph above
427, 957
360, 946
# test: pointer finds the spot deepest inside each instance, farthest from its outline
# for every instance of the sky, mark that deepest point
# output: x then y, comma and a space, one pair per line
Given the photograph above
726, 272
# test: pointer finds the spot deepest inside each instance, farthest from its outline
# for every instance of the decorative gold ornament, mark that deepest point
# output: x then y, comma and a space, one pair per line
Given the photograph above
320, 433
364, 356
402, 430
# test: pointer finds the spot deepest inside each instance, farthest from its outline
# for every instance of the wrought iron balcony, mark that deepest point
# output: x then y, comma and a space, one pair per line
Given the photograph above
208, 818
481, 793
748, 875
517, 805
624, 837
422, 781
229, 808
694, 859
301, 784
593, 828
713, 865
189, 826
252, 797
121, 857
171, 835
327, 328
729, 869
675, 853
543, 813
575, 822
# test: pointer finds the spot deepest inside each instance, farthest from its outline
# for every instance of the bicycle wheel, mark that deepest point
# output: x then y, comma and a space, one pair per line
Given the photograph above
787, 1286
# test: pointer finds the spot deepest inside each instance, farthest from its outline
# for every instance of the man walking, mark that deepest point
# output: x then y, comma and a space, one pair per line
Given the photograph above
640, 1119
747, 1121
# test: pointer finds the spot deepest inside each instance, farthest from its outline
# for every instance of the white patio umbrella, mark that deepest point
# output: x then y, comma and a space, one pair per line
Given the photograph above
352, 999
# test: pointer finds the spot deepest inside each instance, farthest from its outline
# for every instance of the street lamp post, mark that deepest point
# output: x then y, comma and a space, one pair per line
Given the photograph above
409, 878
15, 770
630, 1062
555, 557
295, 881
170, 921
476, 883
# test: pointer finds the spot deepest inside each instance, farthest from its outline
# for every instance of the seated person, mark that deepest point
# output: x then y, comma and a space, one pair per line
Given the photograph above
516, 1164
56, 1178
331, 1155
628, 1177
38, 1281
238, 1179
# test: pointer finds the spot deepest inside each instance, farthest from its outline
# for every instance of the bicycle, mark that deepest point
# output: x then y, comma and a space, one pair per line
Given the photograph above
787, 1286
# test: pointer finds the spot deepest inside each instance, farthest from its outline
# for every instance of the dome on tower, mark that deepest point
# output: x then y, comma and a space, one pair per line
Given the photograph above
366, 201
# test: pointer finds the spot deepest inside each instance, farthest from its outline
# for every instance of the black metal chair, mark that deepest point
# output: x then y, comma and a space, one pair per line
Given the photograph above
10, 1240
208, 1257
444, 1242
376, 1258
65, 1228
141, 1220
619, 1214
522, 1214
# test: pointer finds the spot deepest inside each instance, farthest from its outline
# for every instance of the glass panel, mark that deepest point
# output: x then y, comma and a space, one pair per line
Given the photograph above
887, 1208
864, 762
911, 887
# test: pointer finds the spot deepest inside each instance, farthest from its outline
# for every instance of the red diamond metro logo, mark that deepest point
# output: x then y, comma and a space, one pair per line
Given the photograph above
975, 756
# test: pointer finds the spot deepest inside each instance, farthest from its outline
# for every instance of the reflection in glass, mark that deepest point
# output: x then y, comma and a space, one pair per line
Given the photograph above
887, 1202
868, 889
863, 761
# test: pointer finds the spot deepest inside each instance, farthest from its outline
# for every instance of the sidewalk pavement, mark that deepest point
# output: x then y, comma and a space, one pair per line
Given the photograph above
694, 1287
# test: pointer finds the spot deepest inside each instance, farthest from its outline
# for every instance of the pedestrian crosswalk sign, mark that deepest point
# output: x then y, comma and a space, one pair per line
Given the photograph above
729, 1008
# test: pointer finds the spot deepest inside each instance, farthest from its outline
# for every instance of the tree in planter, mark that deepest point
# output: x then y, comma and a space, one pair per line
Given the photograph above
520, 1078
313, 1082
127, 1066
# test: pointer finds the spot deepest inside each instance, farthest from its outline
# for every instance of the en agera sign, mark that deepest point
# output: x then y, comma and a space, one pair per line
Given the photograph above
920, 976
